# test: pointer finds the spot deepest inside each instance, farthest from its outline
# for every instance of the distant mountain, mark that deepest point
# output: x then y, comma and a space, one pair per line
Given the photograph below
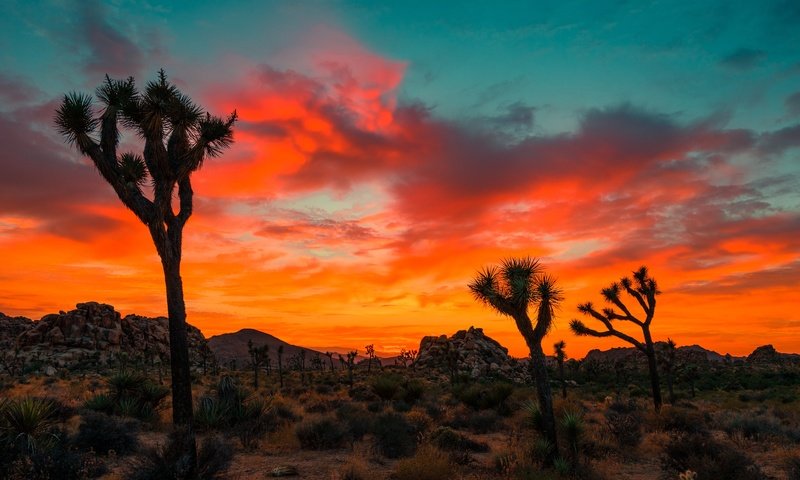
687, 353
233, 346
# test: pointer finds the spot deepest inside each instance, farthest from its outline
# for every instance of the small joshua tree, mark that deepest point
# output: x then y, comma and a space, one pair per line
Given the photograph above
349, 364
644, 289
510, 289
561, 356
257, 358
667, 357
370, 355
330, 359
280, 364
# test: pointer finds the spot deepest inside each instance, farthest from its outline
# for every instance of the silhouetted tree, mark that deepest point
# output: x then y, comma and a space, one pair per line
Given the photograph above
644, 289
666, 356
178, 135
350, 365
690, 373
258, 356
561, 356
280, 364
330, 359
510, 289
370, 355
301, 356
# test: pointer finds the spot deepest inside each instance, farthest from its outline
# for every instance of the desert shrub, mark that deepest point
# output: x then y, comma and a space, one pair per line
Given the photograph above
100, 403
709, 459
682, 420
213, 457
284, 410
485, 396
55, 463
792, 467
624, 426
357, 420
103, 433
759, 427
27, 424
482, 421
386, 386
321, 433
353, 470
427, 464
394, 435
449, 440
412, 391
420, 421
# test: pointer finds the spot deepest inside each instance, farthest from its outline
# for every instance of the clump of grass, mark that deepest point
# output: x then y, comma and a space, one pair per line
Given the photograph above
427, 464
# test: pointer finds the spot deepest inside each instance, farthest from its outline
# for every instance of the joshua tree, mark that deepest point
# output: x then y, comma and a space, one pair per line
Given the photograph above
280, 364
666, 356
690, 374
644, 289
258, 356
301, 357
178, 136
407, 357
330, 359
350, 365
510, 289
561, 356
370, 355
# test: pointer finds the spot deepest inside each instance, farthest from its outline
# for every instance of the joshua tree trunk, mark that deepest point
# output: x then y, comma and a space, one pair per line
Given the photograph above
563, 380
545, 399
179, 353
652, 365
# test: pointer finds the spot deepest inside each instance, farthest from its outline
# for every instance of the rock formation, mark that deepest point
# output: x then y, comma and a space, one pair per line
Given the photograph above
475, 354
96, 333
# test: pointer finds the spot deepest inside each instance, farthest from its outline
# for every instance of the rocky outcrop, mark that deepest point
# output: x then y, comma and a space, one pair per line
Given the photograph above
473, 352
10, 329
96, 333
767, 355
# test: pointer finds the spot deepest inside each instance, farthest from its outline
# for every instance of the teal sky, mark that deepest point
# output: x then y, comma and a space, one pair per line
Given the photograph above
387, 150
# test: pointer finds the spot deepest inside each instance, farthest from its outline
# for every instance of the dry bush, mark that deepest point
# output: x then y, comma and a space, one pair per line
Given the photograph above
427, 464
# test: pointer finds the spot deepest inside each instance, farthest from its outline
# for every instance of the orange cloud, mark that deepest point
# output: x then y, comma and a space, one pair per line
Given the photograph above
345, 217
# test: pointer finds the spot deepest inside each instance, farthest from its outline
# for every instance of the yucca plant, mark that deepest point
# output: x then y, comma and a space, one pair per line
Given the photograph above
99, 403
125, 384
27, 424
573, 426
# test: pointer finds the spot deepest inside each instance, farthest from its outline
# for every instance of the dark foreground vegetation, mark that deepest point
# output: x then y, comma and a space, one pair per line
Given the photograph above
727, 420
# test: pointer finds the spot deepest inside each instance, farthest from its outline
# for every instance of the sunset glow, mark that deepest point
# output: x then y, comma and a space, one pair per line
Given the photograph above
383, 157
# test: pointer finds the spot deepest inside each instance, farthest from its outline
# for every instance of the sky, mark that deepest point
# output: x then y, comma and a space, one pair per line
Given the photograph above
387, 151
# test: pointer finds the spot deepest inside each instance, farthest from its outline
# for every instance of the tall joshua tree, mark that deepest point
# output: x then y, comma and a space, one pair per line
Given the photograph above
644, 289
561, 356
510, 289
178, 136
667, 357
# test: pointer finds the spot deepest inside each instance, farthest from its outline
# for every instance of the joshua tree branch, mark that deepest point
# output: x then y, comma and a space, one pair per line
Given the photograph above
185, 193
578, 328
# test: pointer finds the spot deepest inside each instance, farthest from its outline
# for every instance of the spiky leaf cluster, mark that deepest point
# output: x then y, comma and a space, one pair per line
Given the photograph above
513, 286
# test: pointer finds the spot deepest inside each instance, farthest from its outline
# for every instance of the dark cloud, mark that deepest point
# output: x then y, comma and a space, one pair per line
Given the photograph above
516, 116
109, 50
780, 140
743, 59
42, 180
792, 104
783, 277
